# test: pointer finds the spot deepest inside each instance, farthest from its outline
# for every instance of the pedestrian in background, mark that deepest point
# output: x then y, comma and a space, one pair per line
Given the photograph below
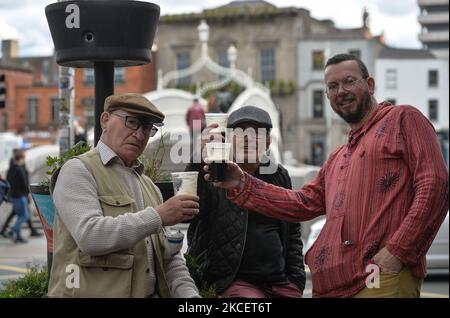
4, 229
17, 176
195, 118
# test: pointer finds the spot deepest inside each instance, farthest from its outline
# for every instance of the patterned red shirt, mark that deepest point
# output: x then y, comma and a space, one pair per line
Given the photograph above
387, 187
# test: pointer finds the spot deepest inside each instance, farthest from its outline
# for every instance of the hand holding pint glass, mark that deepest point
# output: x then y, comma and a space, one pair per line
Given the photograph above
217, 152
217, 158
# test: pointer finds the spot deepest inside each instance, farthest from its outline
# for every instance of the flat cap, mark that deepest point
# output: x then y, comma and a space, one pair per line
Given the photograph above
134, 103
249, 114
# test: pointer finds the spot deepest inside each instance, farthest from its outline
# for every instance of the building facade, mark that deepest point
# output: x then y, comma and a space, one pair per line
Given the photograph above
434, 19
418, 78
266, 38
415, 77
15, 75
319, 129
32, 91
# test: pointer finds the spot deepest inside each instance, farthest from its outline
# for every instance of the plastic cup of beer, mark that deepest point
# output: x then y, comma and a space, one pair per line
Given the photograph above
219, 119
185, 182
217, 158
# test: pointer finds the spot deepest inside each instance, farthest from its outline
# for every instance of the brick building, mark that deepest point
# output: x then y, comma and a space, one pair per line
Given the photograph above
15, 75
32, 90
136, 79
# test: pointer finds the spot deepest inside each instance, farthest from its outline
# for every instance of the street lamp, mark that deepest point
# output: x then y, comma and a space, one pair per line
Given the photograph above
232, 55
86, 35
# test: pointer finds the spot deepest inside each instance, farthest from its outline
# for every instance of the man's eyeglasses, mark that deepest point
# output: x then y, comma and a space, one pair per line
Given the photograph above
347, 84
134, 123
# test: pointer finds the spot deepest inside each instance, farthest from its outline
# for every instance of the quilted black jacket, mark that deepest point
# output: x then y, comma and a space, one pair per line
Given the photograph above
216, 236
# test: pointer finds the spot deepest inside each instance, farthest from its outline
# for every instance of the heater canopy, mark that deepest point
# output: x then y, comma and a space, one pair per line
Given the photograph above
118, 31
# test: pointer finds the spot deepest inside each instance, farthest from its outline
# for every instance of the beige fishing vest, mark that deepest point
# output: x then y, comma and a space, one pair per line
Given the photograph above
119, 274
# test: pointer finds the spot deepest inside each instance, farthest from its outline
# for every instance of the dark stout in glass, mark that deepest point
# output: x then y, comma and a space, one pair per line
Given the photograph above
218, 170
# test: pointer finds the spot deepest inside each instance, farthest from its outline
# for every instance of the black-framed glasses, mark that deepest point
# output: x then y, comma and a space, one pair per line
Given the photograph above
135, 123
348, 83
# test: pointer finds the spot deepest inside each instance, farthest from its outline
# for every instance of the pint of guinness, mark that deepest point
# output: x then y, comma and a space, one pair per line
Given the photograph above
218, 171
218, 155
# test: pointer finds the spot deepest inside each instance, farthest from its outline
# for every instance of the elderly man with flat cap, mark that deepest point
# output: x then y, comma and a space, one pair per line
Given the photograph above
246, 254
109, 239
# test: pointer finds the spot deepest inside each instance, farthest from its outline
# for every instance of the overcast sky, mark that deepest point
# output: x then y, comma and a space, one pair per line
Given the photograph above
25, 19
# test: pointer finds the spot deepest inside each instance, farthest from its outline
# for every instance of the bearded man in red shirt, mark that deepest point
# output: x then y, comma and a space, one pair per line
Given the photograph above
384, 193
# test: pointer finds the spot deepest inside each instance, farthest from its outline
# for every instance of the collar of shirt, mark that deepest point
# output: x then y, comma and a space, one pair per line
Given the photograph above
107, 155
355, 135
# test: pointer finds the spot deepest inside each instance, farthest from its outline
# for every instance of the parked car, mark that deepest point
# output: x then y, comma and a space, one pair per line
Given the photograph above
437, 256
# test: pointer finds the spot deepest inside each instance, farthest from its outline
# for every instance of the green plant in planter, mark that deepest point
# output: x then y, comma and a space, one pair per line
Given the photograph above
33, 284
152, 166
205, 290
153, 170
54, 163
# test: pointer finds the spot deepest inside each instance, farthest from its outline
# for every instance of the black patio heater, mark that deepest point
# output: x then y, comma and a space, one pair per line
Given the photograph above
102, 34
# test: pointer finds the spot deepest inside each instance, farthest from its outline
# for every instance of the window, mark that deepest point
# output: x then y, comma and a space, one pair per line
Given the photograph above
54, 102
87, 101
267, 64
119, 75
46, 71
89, 77
183, 62
317, 149
55, 75
33, 110
89, 119
5, 121
318, 61
355, 52
433, 109
88, 112
433, 78
223, 61
318, 104
391, 78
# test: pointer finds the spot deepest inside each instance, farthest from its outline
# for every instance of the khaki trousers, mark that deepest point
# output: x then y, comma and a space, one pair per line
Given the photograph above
394, 285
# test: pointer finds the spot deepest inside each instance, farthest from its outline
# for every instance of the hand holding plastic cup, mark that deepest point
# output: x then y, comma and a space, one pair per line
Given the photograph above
219, 119
185, 182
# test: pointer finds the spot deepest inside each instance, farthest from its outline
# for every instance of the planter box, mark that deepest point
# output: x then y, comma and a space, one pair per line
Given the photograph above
46, 212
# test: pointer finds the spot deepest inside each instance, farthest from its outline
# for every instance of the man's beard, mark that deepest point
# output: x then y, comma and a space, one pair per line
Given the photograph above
357, 115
